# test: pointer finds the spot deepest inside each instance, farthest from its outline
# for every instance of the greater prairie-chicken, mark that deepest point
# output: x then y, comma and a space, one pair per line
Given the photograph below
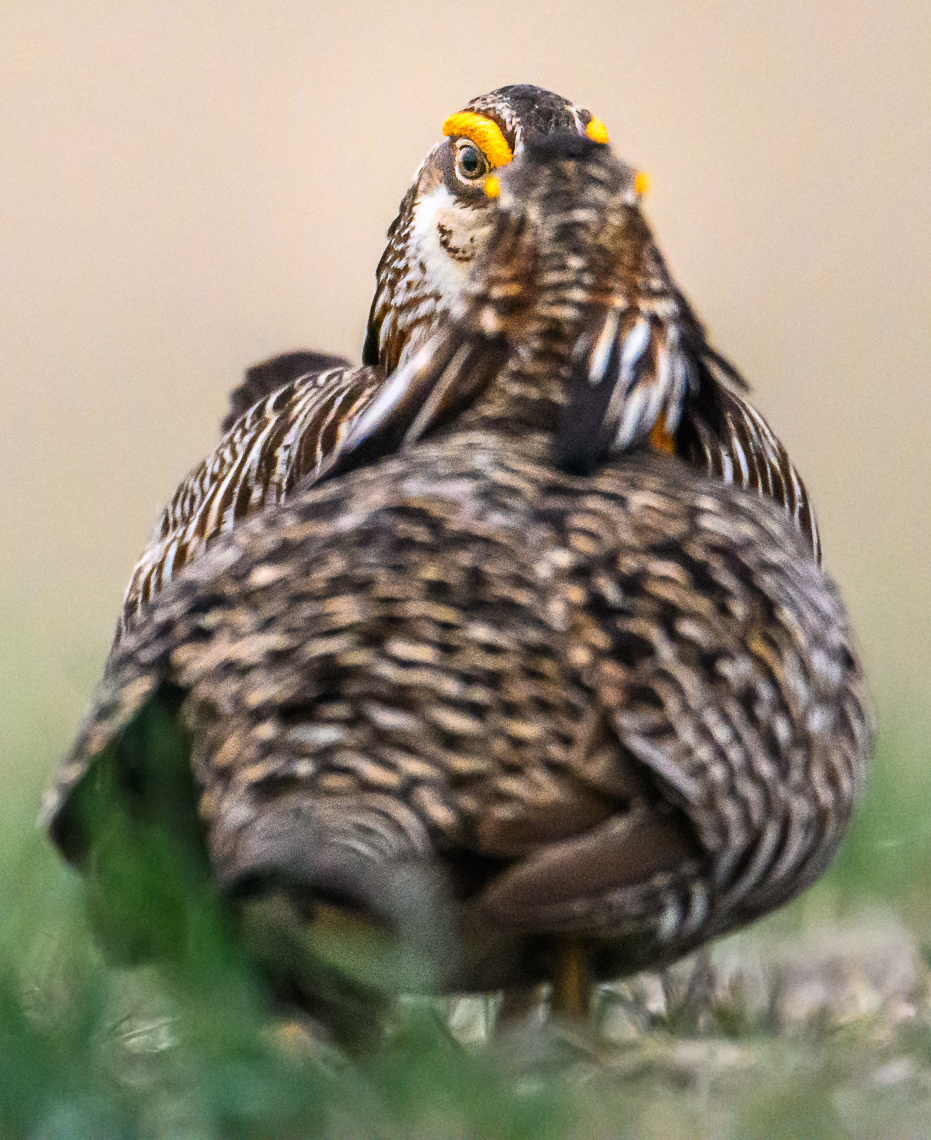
574, 702
289, 418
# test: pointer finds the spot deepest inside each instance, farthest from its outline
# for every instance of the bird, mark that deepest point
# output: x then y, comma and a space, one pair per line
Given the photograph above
541, 709
289, 419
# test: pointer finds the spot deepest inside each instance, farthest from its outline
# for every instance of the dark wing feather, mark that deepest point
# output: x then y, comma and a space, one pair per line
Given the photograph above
723, 434
285, 438
456, 364
268, 376
633, 367
428, 389
631, 374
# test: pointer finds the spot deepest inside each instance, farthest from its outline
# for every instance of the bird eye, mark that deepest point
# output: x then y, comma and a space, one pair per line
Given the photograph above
471, 163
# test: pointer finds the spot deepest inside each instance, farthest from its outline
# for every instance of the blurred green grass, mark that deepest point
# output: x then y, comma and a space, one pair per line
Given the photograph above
188, 1049
886, 855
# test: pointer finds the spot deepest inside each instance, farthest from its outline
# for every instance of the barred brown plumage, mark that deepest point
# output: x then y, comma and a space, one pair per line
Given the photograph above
617, 713
624, 708
444, 224
279, 441
267, 377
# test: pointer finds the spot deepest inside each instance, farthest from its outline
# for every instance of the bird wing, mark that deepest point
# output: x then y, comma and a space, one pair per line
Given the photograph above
723, 434
633, 369
643, 370
684, 397
725, 673
284, 438
268, 376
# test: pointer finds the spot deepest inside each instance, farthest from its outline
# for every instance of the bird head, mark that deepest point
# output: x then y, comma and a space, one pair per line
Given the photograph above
566, 323
446, 217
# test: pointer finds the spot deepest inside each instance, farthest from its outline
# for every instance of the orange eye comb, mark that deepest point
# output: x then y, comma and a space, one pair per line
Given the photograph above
597, 131
485, 133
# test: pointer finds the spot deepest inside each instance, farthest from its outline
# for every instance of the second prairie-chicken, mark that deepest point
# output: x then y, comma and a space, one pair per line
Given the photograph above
543, 706
289, 418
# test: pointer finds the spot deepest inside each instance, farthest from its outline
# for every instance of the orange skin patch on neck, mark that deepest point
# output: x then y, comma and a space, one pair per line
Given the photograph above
662, 440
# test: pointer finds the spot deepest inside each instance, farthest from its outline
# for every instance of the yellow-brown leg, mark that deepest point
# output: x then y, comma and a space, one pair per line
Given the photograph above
572, 981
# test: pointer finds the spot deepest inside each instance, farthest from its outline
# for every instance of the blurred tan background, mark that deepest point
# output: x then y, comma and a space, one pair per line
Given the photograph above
188, 187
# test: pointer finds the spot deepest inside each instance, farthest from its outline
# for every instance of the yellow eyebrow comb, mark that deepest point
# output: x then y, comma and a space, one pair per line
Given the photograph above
485, 133
597, 131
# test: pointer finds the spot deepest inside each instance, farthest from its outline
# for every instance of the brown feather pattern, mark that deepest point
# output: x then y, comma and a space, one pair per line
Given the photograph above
622, 709
631, 701
268, 376
290, 435
281, 440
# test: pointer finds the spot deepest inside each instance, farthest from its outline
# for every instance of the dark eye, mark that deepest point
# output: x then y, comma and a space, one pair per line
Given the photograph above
471, 163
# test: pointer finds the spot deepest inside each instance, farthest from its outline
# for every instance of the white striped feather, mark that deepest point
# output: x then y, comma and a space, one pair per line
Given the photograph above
741, 448
286, 437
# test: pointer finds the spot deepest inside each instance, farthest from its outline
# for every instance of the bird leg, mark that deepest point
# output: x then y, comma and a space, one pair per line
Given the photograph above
572, 981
